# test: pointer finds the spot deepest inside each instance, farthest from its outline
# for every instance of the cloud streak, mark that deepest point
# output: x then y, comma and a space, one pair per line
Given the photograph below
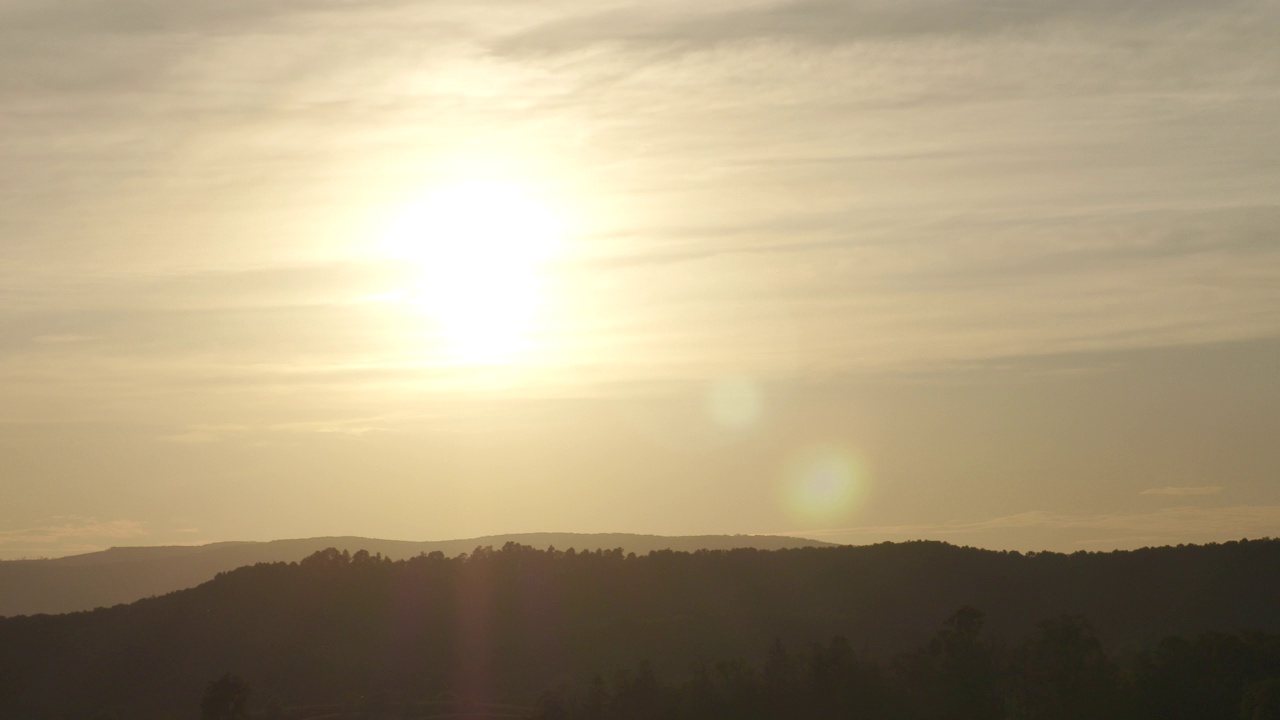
835, 22
1184, 491
68, 535
1041, 529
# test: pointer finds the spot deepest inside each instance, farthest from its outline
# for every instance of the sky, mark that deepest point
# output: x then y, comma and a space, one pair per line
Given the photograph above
1003, 273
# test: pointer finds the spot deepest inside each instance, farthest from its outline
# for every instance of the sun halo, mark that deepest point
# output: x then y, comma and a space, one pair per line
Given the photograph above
479, 249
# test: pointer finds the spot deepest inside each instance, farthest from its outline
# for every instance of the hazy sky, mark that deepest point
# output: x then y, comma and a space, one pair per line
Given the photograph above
998, 272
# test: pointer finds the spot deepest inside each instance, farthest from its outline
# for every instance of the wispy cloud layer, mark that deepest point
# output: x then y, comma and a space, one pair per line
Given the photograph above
69, 535
795, 187
868, 181
193, 196
1184, 491
1040, 529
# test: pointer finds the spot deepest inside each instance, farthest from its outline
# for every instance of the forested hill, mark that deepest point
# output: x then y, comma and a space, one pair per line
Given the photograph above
125, 574
506, 624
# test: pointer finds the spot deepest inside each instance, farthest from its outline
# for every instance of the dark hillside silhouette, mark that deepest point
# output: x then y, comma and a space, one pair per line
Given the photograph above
1059, 673
125, 574
504, 625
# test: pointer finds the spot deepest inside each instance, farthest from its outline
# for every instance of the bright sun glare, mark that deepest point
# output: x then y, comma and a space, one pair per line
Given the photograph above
481, 247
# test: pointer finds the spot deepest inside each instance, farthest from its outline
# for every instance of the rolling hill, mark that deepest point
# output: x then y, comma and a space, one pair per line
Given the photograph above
126, 574
356, 630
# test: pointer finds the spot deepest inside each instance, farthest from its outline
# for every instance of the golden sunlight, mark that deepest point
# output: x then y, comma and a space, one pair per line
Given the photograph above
480, 247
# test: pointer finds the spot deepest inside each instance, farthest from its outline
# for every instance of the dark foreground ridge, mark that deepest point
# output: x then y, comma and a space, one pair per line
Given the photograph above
387, 638
125, 574
1061, 672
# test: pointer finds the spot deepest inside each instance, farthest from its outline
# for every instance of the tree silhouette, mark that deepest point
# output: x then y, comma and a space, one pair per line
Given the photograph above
1064, 673
1261, 701
956, 677
226, 698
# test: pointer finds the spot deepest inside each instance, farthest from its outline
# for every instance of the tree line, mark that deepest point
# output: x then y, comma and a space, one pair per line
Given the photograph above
1061, 672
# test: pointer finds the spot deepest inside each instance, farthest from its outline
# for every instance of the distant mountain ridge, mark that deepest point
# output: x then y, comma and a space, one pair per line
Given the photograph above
125, 574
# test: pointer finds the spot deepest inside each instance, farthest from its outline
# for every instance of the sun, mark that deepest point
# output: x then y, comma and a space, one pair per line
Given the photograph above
480, 248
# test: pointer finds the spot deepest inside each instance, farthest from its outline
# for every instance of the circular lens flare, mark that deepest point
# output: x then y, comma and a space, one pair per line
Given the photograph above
823, 483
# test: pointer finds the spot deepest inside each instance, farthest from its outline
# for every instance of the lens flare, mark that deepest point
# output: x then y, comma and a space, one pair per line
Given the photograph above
823, 483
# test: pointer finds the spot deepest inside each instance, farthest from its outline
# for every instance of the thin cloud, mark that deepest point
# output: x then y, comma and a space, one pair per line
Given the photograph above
1040, 529
68, 535
65, 339
840, 21
1184, 491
